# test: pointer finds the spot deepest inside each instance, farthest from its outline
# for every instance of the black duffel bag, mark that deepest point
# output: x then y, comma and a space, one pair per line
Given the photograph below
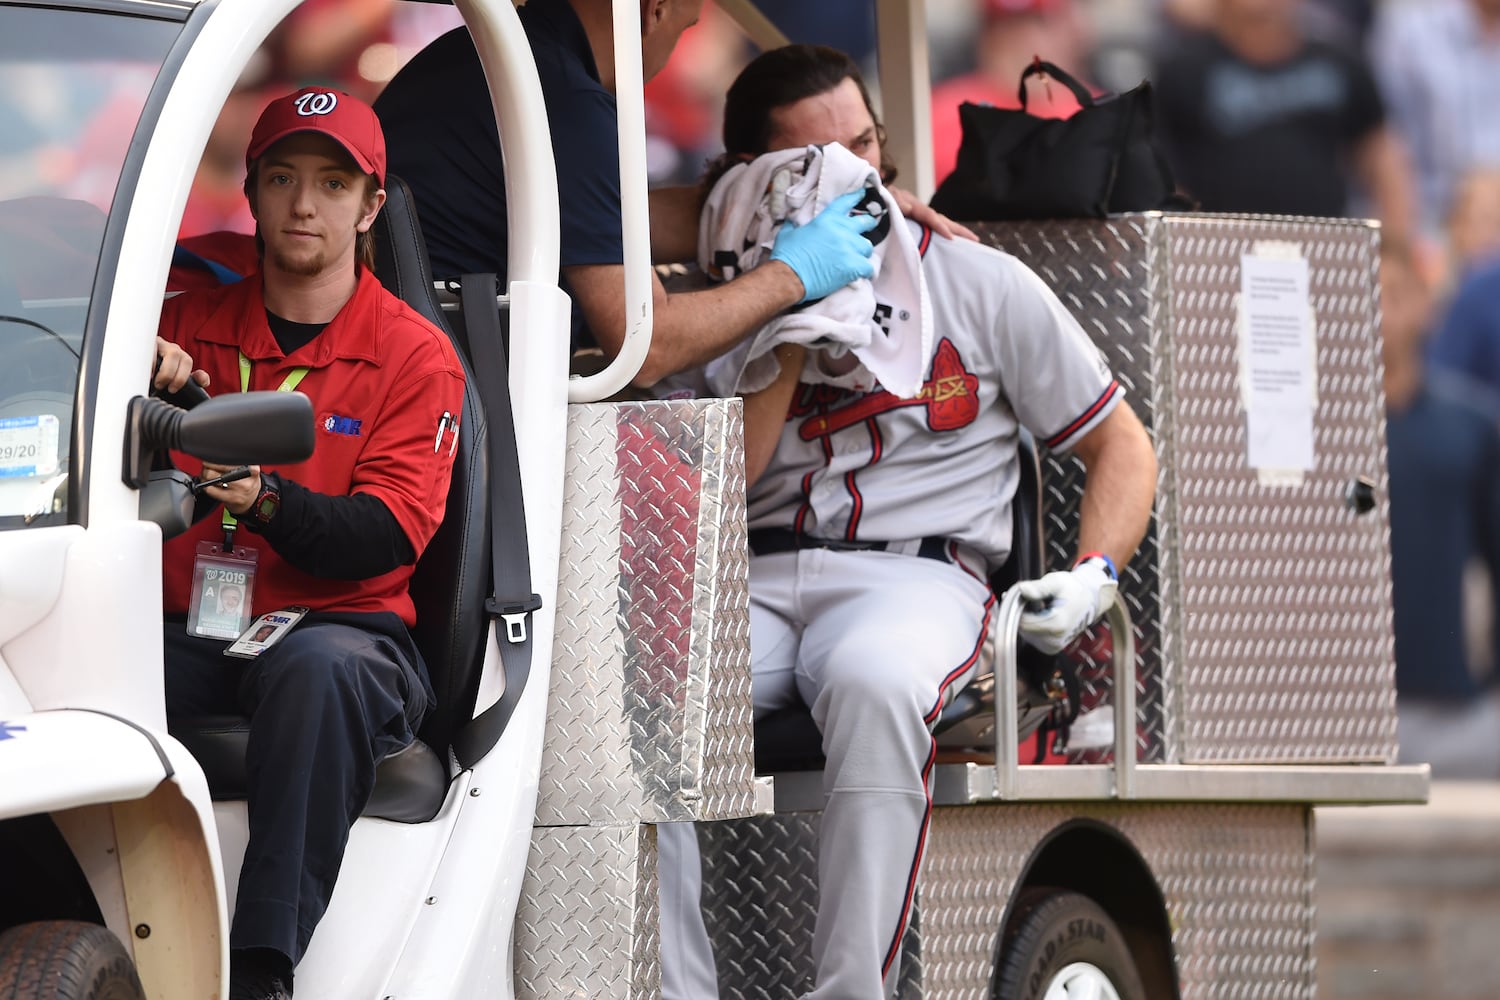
1014, 165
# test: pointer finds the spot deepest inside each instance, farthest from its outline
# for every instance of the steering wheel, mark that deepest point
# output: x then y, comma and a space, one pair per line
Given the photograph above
34, 363
189, 396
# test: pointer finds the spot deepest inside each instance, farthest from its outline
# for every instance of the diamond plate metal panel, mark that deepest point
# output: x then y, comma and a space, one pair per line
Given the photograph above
1237, 881
587, 923
649, 714
1111, 278
1262, 614
760, 892
1285, 593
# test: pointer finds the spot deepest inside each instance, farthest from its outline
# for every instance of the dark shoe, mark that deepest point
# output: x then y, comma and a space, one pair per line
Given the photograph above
260, 989
259, 974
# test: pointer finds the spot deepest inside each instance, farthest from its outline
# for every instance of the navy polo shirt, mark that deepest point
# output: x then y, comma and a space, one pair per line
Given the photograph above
441, 136
1443, 453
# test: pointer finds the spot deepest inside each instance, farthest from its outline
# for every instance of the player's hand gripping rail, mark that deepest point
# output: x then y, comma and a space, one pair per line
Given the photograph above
1122, 670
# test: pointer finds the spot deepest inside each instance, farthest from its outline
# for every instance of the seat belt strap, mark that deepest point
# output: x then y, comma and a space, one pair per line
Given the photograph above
512, 599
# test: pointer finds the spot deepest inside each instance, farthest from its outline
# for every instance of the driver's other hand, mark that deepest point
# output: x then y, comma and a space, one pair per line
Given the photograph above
174, 367
236, 496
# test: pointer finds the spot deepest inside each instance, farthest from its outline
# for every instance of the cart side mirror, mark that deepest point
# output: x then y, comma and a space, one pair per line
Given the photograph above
167, 501
244, 428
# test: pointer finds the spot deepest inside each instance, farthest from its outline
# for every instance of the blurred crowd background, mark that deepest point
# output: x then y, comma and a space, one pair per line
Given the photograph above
1368, 108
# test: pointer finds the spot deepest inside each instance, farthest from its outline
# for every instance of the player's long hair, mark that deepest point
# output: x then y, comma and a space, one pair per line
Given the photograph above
364, 243
774, 80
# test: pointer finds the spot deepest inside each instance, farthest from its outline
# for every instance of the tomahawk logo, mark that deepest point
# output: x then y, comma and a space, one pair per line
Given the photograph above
950, 396
320, 103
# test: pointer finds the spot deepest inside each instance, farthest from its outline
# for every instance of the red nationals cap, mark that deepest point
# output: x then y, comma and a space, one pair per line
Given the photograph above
346, 120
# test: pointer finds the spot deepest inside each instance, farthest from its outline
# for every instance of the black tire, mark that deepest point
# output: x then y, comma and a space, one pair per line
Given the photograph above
1053, 930
66, 960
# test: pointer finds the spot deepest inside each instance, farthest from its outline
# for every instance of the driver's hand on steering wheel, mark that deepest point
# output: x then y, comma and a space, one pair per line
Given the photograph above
174, 367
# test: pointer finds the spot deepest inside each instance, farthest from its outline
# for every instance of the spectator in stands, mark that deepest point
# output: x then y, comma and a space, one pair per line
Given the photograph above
1474, 222
684, 101
343, 42
1443, 447
1011, 34
1438, 62
1347, 22
1259, 117
1468, 340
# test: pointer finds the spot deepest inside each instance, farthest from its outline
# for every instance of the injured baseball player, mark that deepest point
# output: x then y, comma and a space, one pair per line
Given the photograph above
877, 512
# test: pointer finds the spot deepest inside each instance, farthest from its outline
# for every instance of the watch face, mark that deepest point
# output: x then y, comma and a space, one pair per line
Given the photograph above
266, 505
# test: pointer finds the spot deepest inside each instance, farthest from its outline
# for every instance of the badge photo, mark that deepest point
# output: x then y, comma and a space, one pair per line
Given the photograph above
263, 633
223, 591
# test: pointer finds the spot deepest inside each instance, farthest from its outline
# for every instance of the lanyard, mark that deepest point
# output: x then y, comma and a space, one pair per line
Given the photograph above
293, 379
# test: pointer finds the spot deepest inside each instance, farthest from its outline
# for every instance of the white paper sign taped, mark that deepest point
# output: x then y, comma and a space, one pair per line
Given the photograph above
1278, 362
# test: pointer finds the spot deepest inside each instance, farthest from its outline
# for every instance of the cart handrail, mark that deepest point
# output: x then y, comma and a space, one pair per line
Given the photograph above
1122, 670
635, 217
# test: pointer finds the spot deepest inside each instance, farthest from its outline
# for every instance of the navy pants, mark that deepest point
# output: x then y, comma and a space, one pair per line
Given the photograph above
325, 705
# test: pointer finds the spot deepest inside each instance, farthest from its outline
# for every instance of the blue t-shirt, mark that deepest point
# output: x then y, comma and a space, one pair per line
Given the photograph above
1469, 339
1443, 453
441, 136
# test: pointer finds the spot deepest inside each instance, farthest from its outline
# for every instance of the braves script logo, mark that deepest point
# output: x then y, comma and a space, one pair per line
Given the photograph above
950, 394
320, 103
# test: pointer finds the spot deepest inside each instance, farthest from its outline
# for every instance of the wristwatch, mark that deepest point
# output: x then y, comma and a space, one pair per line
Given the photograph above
267, 503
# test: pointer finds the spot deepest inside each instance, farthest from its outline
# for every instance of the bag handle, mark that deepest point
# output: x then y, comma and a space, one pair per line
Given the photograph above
1039, 67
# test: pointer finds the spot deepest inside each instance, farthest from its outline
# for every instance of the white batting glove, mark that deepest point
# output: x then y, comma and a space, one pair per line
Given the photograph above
1070, 602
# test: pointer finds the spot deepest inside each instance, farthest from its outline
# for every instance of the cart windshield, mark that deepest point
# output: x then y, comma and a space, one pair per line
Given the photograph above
72, 85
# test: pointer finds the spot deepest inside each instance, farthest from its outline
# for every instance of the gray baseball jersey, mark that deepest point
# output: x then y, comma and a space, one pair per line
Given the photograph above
874, 467
875, 643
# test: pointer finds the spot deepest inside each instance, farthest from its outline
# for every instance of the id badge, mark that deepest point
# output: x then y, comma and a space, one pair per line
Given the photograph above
223, 588
265, 632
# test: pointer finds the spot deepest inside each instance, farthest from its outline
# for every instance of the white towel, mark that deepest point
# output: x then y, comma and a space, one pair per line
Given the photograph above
885, 322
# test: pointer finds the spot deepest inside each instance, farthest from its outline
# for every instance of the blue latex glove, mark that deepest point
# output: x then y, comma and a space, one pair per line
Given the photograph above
830, 251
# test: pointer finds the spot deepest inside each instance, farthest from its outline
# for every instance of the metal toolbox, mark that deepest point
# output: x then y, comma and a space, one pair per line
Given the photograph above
1261, 600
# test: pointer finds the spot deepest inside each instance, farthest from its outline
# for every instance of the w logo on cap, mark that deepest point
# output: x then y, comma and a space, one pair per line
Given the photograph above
346, 120
316, 103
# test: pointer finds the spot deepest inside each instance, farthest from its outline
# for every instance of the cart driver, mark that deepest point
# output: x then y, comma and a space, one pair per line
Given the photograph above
874, 524
336, 535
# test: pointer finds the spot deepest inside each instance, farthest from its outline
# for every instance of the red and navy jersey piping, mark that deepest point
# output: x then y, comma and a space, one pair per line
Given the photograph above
1088, 415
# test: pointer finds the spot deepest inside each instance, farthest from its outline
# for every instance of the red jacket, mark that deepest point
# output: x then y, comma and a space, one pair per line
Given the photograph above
381, 379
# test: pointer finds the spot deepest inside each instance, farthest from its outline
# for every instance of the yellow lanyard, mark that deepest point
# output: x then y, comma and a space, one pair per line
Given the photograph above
293, 379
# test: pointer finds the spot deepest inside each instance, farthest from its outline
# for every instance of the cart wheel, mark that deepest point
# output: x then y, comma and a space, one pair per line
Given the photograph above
66, 960
1062, 945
